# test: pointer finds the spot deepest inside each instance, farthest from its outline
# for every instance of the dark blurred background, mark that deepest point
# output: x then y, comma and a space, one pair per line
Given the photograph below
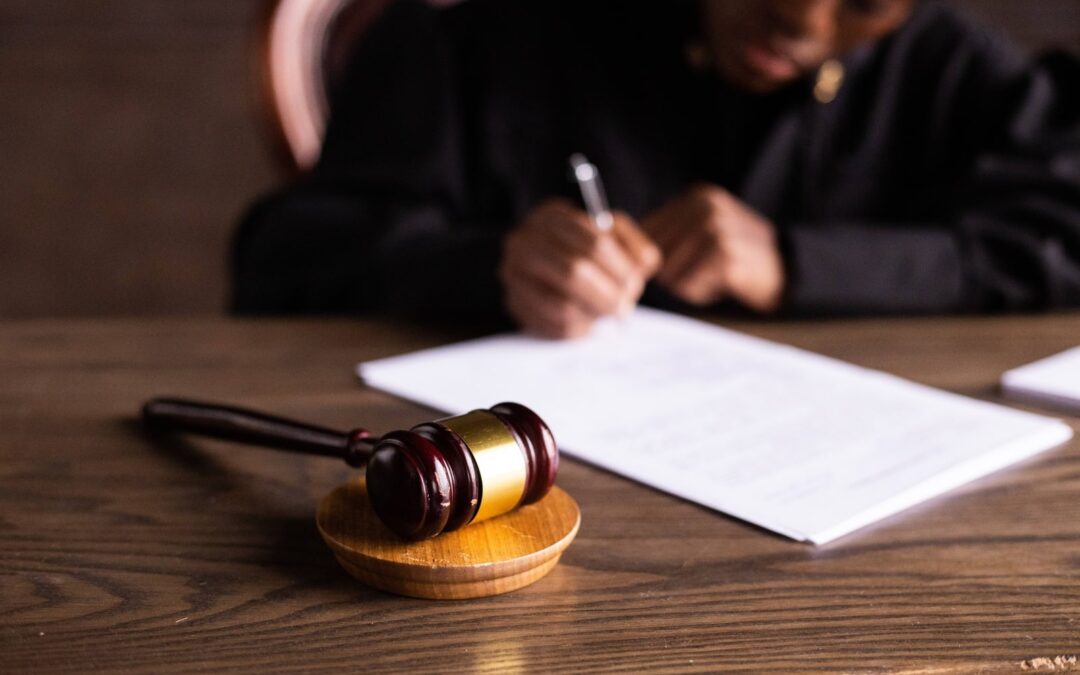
132, 138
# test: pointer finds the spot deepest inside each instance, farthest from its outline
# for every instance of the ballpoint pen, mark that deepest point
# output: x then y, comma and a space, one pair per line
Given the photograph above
592, 191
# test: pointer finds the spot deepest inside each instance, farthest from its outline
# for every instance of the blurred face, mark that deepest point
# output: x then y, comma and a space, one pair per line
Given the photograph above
761, 45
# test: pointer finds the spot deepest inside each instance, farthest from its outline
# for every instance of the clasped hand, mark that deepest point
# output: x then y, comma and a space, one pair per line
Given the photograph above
560, 273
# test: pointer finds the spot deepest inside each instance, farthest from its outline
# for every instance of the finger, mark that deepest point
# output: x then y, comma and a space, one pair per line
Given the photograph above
664, 227
542, 311
617, 263
569, 226
697, 272
756, 278
703, 285
685, 257
577, 279
680, 217
637, 244
625, 256
583, 244
575, 229
623, 268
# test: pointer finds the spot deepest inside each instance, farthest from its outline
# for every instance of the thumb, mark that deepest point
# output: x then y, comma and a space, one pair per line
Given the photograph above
638, 245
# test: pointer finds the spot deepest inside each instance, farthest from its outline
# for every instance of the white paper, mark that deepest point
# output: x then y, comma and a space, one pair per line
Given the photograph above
807, 446
1055, 380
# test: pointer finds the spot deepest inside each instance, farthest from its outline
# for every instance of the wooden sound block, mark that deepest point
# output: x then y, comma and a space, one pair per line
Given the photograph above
487, 558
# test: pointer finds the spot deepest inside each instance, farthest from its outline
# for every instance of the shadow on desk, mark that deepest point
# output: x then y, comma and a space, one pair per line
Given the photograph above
269, 513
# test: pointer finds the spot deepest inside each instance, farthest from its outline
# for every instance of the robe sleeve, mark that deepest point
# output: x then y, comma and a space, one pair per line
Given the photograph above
1011, 237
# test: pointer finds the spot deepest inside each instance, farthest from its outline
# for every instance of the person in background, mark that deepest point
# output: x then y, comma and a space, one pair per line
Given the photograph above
790, 157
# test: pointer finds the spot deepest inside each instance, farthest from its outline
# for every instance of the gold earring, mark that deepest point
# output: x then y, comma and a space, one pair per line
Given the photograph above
830, 78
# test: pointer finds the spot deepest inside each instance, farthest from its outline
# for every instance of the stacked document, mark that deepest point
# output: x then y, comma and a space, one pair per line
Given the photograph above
1054, 380
804, 445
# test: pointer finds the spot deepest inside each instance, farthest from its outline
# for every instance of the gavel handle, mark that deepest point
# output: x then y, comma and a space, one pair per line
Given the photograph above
249, 426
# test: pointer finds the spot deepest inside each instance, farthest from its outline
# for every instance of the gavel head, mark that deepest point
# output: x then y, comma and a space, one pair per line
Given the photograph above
442, 475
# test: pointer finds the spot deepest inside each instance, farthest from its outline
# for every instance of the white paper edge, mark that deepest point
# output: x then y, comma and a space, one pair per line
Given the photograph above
1004, 456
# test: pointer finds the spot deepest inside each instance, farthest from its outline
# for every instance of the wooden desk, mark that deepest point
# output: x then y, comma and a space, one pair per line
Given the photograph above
119, 555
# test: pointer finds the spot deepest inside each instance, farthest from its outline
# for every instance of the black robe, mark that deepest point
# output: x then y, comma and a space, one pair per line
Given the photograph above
944, 177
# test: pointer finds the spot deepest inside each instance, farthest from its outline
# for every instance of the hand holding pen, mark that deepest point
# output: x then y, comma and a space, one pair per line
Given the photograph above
564, 268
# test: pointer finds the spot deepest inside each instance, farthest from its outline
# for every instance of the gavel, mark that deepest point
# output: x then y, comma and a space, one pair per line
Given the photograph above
436, 477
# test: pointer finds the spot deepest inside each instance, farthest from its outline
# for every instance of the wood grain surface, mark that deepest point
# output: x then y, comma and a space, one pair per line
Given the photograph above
491, 557
122, 555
